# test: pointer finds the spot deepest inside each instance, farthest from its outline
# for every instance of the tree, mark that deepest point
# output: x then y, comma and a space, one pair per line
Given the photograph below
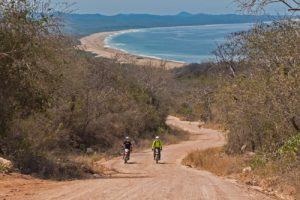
260, 105
259, 5
29, 68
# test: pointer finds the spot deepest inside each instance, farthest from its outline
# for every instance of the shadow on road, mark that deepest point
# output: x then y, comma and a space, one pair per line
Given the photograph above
133, 163
165, 163
125, 177
127, 173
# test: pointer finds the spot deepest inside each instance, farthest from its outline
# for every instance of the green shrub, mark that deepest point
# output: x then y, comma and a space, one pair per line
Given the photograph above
4, 169
291, 149
258, 161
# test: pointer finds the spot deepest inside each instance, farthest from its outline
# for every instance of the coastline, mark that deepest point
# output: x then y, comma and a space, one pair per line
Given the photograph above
95, 43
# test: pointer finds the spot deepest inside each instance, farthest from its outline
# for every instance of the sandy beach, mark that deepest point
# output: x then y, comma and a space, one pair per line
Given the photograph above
95, 43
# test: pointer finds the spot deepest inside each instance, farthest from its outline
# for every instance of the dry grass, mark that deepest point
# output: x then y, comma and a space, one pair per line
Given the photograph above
213, 126
215, 161
283, 183
273, 177
175, 136
279, 176
91, 163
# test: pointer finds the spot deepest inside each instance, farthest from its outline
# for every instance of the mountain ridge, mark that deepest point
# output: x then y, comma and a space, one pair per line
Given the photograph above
85, 24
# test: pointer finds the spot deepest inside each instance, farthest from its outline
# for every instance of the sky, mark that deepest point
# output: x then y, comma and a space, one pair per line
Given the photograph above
161, 7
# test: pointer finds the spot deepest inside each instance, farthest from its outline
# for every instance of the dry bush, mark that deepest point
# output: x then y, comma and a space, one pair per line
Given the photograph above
95, 107
56, 101
174, 136
254, 94
272, 176
193, 93
275, 176
256, 6
91, 162
28, 68
260, 104
214, 160
292, 177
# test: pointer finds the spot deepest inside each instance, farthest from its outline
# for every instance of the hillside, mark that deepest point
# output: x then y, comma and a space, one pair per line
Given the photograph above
85, 24
63, 111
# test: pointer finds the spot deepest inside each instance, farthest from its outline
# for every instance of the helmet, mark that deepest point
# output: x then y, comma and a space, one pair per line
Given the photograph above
157, 137
127, 138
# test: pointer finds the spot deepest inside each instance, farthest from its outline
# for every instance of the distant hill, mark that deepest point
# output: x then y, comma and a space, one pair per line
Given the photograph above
84, 24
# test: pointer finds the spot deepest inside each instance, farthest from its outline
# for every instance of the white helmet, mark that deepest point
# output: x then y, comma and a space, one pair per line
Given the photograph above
157, 137
127, 138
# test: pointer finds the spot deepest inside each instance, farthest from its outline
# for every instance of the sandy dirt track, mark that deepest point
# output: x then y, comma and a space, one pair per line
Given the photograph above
143, 179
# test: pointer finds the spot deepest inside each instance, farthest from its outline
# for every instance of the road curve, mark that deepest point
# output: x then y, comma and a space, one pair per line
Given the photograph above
143, 179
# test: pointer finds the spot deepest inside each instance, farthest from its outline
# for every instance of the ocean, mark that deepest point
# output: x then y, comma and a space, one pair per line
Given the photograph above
189, 44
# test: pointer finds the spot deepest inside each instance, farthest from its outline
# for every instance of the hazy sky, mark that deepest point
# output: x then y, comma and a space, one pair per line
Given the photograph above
111, 7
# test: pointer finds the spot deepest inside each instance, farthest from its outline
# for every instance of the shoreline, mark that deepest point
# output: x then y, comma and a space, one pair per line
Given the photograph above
95, 43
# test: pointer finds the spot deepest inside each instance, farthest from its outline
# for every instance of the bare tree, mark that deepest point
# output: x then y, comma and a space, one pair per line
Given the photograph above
259, 5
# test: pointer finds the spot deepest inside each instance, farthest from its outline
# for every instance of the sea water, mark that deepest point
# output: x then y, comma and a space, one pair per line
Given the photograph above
189, 44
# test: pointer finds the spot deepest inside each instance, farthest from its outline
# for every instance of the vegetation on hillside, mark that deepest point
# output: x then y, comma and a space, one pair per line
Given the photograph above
254, 88
254, 92
56, 101
261, 104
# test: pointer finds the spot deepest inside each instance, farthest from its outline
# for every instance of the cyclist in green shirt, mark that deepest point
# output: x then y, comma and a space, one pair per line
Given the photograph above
157, 144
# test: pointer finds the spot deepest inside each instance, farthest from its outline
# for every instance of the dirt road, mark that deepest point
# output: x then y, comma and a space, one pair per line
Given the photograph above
143, 179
